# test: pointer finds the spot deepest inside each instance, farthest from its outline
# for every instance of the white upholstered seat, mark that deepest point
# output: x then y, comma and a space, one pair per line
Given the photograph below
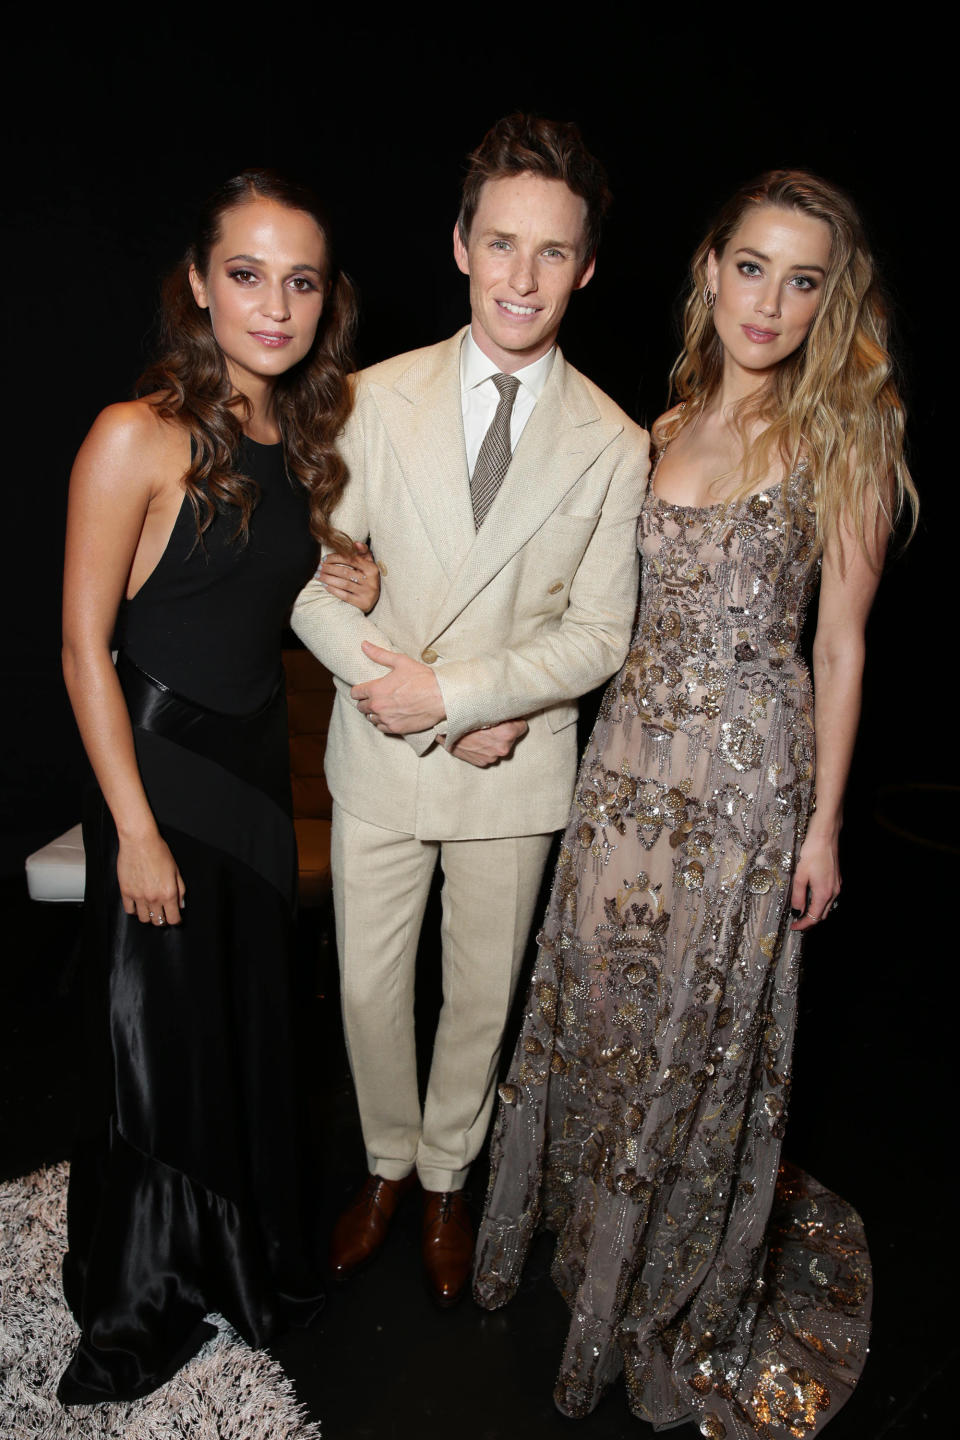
57, 870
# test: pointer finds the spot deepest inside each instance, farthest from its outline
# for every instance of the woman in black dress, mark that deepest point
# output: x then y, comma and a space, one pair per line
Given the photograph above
194, 517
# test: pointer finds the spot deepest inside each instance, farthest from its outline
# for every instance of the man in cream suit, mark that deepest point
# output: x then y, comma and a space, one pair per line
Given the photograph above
499, 491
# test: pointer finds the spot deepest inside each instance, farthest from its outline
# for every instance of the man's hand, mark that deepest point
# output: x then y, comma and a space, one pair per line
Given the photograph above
405, 701
489, 746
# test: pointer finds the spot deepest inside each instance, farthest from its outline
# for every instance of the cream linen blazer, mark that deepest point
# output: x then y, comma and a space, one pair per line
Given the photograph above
518, 620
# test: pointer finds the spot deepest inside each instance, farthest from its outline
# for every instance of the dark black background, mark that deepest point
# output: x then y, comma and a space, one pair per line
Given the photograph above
115, 130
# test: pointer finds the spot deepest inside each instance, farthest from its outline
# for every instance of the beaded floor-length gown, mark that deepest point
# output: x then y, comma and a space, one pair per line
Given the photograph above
642, 1117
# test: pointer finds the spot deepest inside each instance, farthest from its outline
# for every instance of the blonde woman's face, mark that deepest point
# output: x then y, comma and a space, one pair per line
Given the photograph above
768, 283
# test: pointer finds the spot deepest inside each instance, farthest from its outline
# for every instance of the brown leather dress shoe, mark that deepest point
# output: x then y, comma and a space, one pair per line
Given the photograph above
363, 1226
447, 1244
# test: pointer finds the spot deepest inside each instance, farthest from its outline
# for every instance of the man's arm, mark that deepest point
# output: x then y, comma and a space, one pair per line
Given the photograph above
409, 696
333, 630
591, 640
560, 663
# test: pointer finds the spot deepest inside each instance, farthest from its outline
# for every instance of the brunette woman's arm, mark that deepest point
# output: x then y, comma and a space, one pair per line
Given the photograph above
120, 483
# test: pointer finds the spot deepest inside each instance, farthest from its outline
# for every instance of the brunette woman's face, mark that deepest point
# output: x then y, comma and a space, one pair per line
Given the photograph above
264, 288
768, 284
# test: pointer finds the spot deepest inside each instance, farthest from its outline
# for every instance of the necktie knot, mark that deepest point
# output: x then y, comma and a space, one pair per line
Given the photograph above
493, 461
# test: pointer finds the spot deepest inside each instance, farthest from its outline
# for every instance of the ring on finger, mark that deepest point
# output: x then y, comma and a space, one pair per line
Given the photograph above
355, 579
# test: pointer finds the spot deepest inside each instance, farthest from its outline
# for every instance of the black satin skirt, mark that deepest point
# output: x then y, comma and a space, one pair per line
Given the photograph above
187, 1193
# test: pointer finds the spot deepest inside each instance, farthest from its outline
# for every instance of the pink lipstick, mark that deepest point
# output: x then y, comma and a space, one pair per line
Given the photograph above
759, 337
274, 339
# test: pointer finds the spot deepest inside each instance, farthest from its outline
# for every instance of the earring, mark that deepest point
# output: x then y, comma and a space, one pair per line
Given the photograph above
709, 296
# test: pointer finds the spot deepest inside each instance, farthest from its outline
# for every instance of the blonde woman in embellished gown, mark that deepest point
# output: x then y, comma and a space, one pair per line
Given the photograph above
642, 1117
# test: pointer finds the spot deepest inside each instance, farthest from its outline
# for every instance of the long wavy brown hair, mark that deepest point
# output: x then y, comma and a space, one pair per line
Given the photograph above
189, 382
835, 399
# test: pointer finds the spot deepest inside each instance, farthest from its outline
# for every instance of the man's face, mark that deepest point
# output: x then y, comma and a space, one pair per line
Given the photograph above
524, 259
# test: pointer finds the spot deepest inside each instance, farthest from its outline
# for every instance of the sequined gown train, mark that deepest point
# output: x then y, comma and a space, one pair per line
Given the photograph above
642, 1116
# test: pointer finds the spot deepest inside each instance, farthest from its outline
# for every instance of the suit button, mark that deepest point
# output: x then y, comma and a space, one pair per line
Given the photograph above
555, 588
383, 567
429, 655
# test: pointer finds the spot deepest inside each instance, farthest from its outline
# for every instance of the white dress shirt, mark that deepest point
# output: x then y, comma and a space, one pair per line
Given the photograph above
479, 396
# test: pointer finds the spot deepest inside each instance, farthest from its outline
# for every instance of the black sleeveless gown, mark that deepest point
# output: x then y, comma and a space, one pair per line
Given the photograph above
185, 1192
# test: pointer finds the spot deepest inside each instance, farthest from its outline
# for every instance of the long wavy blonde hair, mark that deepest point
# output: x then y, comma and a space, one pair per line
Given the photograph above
834, 400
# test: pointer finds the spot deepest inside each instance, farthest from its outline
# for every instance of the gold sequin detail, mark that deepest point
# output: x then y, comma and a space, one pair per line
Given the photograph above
648, 1095
789, 1397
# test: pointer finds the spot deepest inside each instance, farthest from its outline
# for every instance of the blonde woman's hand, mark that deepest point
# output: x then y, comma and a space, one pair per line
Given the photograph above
488, 747
354, 578
816, 882
151, 886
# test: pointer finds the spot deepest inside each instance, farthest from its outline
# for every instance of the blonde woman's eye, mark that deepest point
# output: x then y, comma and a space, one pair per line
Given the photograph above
804, 282
748, 267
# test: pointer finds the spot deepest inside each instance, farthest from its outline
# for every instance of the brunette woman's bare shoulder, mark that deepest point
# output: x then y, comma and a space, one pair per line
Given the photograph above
131, 441
133, 422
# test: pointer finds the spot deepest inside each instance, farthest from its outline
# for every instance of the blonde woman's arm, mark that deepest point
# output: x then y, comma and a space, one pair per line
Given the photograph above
851, 573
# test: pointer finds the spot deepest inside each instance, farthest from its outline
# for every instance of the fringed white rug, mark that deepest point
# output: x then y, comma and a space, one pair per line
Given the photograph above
227, 1392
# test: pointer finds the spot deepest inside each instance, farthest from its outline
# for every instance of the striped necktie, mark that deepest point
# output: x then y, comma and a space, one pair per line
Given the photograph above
494, 456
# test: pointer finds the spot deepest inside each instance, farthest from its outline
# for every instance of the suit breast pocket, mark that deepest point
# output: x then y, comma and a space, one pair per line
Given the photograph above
565, 536
574, 517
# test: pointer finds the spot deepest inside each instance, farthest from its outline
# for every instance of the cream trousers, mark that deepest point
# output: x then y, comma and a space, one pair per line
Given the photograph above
381, 881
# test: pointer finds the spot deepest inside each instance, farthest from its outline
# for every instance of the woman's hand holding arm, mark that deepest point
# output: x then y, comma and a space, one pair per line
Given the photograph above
353, 578
118, 474
851, 573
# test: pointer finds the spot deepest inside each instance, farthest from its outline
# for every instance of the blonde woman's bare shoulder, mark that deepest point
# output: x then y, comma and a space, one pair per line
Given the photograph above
662, 428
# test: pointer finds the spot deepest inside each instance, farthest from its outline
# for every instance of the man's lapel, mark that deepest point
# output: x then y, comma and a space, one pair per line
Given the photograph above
422, 414
561, 440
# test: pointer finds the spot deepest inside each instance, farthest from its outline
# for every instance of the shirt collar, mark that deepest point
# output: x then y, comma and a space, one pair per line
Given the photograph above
475, 367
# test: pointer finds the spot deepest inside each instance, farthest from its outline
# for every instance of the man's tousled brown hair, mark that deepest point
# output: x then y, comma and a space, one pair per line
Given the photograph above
520, 144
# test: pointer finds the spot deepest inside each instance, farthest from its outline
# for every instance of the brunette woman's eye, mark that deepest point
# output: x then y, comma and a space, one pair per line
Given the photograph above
242, 277
302, 284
